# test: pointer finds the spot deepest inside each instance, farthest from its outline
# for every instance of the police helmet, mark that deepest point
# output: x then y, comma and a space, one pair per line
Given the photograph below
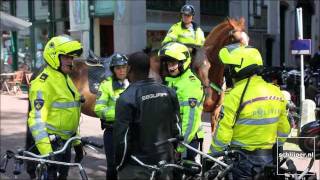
310, 145
187, 10
61, 45
176, 51
244, 61
117, 60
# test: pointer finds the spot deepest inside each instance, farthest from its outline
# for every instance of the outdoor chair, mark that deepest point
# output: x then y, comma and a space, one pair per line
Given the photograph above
15, 83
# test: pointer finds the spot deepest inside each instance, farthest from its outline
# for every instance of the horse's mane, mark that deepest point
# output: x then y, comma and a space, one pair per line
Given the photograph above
219, 37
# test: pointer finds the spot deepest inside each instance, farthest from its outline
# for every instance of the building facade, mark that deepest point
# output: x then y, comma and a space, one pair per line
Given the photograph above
48, 18
271, 24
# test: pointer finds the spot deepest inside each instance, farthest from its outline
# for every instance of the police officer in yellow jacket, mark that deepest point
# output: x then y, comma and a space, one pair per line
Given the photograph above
109, 91
254, 112
55, 101
186, 31
189, 91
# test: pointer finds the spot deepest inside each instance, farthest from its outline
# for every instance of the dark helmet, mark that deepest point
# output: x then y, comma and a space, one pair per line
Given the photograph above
309, 145
187, 9
117, 60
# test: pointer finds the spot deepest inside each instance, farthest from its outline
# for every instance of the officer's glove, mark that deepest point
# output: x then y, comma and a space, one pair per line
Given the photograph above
181, 149
78, 149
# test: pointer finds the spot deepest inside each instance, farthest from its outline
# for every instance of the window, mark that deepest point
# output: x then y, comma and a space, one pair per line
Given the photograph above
214, 7
22, 9
168, 5
5, 6
41, 9
61, 9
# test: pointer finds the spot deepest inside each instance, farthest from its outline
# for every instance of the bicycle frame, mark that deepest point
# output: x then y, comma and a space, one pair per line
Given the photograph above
40, 158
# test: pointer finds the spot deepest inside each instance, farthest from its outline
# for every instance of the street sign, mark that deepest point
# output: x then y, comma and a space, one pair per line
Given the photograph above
301, 46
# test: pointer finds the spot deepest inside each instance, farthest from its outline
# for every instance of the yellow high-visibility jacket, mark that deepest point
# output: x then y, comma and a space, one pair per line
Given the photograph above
55, 108
263, 117
106, 100
190, 94
179, 33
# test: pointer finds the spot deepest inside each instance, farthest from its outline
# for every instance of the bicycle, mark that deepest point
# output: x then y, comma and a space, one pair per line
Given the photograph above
44, 160
200, 173
213, 168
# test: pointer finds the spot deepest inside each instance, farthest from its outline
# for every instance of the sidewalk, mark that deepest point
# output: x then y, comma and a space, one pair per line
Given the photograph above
13, 117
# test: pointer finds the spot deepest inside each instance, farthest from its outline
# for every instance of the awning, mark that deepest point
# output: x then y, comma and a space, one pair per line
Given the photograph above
11, 23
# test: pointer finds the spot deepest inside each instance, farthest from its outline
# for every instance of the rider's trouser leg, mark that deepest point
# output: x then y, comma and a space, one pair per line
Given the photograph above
108, 148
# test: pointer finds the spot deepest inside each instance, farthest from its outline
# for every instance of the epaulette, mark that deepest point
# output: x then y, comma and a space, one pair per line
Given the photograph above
43, 76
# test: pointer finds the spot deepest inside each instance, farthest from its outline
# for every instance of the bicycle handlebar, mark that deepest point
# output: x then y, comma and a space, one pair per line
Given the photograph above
162, 165
225, 171
179, 139
3, 163
291, 167
84, 140
87, 141
18, 157
212, 157
17, 166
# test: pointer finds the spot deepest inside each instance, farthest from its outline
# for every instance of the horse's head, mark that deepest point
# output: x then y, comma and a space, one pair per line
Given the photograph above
228, 32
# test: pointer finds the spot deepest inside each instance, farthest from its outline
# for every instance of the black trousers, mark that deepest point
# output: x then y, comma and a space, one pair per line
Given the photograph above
52, 169
195, 143
108, 149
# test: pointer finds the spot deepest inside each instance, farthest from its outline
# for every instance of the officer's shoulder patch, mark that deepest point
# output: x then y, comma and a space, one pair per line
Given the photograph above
38, 104
192, 78
43, 76
192, 102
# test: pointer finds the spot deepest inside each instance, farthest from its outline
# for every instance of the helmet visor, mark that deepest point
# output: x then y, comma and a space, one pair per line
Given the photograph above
75, 53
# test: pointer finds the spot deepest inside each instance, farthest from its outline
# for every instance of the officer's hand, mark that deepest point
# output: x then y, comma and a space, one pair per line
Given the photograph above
51, 157
177, 156
78, 149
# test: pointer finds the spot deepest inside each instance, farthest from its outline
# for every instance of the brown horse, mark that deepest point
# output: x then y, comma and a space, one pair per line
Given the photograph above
211, 73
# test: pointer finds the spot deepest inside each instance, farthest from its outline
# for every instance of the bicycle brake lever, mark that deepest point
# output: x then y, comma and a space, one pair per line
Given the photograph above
91, 147
3, 164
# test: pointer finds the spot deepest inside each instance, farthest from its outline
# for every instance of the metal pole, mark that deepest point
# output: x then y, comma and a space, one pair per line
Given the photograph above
302, 88
300, 36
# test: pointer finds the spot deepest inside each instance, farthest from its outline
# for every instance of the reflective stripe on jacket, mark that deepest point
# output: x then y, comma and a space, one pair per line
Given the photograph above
106, 101
179, 33
262, 118
55, 108
190, 93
